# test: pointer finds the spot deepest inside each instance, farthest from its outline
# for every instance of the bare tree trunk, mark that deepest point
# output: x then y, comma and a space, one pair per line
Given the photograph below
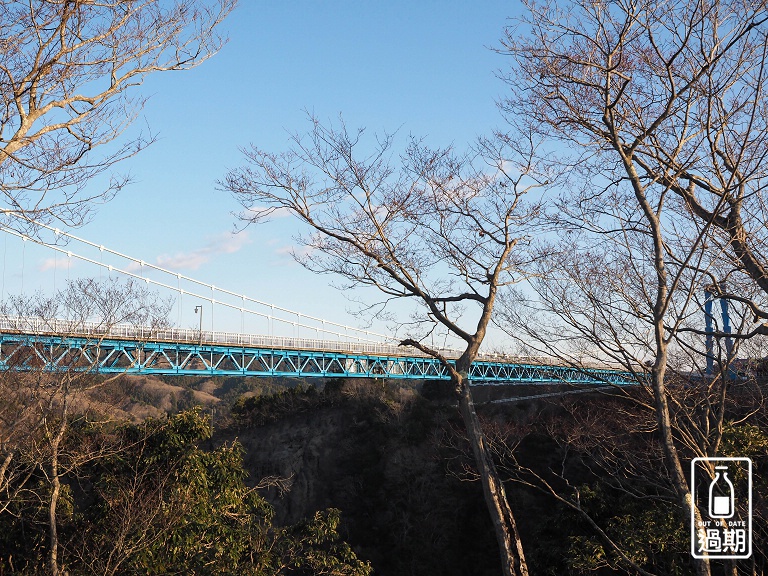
510, 545
53, 557
670, 451
53, 561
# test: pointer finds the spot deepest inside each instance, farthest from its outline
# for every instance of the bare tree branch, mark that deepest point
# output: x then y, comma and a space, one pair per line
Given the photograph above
442, 230
68, 70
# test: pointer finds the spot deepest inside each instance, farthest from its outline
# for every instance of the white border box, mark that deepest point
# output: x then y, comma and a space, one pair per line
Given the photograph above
727, 538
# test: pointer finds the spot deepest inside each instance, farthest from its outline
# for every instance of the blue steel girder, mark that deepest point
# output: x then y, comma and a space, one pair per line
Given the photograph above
110, 356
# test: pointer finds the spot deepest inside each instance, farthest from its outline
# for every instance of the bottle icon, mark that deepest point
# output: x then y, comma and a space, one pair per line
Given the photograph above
721, 494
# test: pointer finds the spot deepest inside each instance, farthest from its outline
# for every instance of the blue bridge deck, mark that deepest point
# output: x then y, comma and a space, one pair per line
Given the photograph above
160, 354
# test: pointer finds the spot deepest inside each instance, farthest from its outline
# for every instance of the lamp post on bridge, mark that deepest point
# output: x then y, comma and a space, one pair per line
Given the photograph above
200, 331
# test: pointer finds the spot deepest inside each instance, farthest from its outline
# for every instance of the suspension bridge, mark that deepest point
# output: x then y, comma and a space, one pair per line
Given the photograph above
293, 345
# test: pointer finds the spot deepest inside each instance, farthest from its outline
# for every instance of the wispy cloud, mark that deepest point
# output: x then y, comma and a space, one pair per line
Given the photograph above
270, 213
226, 243
61, 263
183, 261
290, 253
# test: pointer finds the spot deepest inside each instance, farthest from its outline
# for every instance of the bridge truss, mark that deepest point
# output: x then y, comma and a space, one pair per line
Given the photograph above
337, 350
110, 355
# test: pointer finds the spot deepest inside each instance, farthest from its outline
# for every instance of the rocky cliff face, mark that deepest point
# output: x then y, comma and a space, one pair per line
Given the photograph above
309, 452
374, 453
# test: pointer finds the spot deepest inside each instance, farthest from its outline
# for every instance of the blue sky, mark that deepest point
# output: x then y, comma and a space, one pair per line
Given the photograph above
423, 68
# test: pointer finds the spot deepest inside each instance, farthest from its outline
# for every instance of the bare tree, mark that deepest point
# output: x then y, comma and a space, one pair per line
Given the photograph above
67, 70
593, 304
676, 92
38, 404
443, 231
658, 111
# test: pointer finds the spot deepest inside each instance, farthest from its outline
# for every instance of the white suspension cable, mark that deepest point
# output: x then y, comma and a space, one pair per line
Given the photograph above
23, 261
5, 252
271, 318
209, 286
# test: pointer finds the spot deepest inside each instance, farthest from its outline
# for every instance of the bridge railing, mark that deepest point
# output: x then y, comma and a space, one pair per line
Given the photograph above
99, 330
91, 329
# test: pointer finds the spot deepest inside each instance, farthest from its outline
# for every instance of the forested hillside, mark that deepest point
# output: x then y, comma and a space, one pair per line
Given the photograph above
355, 477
